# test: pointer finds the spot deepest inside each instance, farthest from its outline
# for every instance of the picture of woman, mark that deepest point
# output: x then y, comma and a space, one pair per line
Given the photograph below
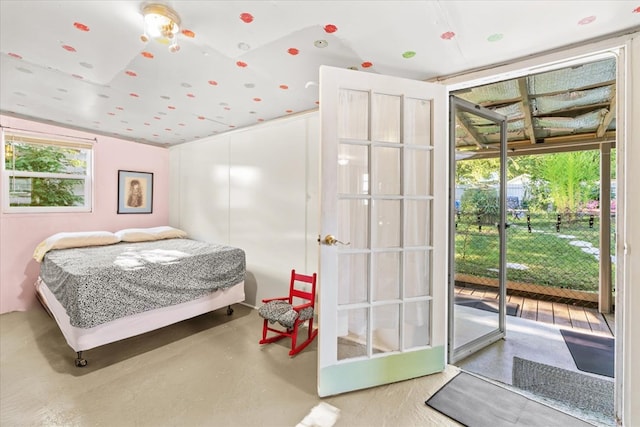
135, 192
134, 197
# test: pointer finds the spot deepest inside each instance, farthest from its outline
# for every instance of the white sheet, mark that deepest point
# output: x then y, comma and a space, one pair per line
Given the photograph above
84, 339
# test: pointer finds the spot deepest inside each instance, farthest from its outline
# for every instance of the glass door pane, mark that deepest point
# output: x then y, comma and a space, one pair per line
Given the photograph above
478, 246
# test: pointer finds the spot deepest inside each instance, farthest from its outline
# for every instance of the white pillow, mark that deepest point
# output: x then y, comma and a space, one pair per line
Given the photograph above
77, 239
153, 233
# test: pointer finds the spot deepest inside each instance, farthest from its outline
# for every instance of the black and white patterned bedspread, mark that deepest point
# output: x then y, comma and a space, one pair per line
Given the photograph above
103, 283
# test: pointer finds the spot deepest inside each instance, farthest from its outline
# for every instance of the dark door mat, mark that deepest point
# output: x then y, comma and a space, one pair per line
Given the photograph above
475, 402
592, 353
486, 304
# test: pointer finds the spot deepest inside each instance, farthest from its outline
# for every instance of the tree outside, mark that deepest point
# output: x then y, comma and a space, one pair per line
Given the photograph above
45, 191
554, 235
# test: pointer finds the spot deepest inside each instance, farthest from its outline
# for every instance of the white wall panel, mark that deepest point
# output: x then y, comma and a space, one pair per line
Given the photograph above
256, 189
268, 204
199, 197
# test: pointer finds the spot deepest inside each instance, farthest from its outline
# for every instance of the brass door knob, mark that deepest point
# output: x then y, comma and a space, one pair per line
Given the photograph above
331, 240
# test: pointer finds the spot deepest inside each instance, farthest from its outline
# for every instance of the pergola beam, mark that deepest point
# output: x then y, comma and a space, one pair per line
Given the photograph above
526, 108
606, 120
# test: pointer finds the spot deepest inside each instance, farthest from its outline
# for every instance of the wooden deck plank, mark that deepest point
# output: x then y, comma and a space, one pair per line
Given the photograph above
490, 294
578, 317
561, 315
514, 299
476, 292
545, 312
611, 321
597, 322
529, 309
464, 291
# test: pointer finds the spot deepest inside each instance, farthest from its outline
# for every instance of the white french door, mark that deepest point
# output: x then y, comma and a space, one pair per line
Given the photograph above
383, 254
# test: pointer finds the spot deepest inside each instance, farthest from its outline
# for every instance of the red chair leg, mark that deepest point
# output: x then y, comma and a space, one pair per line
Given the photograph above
311, 335
311, 327
265, 330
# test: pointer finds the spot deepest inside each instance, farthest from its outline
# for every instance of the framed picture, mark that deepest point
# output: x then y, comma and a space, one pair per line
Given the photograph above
135, 192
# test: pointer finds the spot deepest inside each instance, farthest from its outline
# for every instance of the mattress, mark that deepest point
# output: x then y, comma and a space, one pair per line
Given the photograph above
99, 284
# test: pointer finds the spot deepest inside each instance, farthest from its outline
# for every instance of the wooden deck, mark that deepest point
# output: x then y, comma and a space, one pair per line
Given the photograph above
564, 315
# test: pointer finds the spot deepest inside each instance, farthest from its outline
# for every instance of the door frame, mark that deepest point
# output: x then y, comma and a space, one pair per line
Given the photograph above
457, 353
623, 47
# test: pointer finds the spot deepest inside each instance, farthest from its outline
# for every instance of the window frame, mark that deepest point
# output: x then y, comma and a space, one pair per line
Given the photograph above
9, 136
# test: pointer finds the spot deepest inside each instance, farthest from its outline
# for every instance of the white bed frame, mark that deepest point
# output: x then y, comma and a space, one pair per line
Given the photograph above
80, 339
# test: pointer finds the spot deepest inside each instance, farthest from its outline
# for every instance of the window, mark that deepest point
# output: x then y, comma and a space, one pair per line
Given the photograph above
46, 175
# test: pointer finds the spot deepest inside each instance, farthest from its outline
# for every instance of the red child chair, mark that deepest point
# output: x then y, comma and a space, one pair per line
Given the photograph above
291, 312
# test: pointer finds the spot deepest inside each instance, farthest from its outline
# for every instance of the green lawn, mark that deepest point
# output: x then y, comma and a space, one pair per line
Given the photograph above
548, 256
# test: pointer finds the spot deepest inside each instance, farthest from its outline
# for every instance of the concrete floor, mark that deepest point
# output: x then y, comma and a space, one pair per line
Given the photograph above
527, 339
536, 341
207, 371
211, 371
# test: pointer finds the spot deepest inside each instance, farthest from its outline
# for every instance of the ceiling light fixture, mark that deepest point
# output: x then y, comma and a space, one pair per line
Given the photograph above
162, 24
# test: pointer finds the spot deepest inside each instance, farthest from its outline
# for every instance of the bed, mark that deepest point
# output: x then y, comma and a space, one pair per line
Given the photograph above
102, 287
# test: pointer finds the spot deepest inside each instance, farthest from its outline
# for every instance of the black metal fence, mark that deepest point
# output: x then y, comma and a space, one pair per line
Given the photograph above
553, 254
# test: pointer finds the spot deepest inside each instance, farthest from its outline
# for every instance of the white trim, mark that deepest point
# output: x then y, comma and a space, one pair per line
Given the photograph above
56, 140
628, 233
535, 64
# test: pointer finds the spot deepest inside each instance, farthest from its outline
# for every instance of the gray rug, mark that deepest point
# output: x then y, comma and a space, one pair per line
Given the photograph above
585, 392
475, 402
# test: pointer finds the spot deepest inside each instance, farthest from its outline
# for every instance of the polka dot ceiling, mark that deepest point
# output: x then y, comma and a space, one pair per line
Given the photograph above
83, 65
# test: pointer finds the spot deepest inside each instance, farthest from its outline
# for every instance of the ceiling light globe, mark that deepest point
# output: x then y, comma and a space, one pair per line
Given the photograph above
161, 23
153, 24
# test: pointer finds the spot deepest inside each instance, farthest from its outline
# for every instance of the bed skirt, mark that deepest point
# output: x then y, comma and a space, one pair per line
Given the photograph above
80, 339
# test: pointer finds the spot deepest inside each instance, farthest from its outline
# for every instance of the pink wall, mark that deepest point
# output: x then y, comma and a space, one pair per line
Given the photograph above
21, 233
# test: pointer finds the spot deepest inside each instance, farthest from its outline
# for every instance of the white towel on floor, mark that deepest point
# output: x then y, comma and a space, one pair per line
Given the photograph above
322, 415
